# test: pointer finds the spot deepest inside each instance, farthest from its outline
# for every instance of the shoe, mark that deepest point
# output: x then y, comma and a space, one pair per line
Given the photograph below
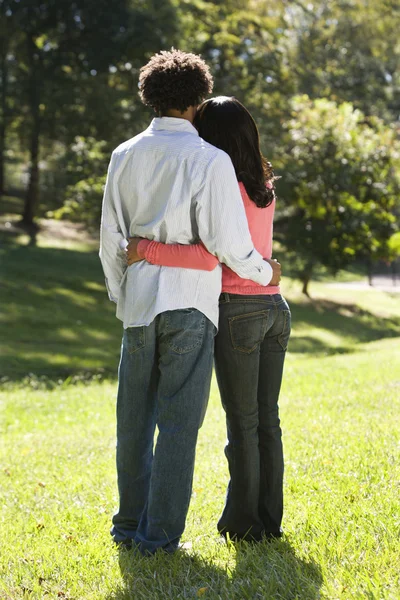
251, 538
269, 537
126, 544
242, 537
185, 547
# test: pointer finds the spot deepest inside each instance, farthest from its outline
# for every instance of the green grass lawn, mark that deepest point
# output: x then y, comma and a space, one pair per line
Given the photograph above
340, 417
56, 319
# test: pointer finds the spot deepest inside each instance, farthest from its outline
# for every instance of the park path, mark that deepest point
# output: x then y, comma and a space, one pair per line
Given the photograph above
383, 283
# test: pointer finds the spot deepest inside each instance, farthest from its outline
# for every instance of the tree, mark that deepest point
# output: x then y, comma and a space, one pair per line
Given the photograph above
65, 51
85, 164
346, 51
341, 185
243, 42
57, 40
7, 35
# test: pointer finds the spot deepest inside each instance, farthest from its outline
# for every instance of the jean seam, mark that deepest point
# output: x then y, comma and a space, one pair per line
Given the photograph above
285, 331
248, 301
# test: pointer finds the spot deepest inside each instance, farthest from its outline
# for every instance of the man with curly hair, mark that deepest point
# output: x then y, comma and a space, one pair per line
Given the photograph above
167, 184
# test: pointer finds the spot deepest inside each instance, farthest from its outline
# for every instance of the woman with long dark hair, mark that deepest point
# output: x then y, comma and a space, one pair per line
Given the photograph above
254, 329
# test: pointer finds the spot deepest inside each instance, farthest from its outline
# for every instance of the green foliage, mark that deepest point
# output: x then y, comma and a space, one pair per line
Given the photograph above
341, 184
394, 245
244, 43
83, 203
70, 70
85, 164
347, 50
64, 58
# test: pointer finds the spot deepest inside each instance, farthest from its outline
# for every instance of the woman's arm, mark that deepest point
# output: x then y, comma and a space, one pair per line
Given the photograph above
195, 256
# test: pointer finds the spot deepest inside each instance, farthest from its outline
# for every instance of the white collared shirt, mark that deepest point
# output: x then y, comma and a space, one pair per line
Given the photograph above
169, 185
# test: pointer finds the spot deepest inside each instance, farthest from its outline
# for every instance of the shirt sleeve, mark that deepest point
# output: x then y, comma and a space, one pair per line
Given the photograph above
194, 256
112, 255
222, 222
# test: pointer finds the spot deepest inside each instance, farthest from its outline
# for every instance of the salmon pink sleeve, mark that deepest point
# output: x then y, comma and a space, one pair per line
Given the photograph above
195, 256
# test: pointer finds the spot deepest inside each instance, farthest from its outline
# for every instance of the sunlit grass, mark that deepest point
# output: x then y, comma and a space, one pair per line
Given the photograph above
55, 304
340, 417
341, 432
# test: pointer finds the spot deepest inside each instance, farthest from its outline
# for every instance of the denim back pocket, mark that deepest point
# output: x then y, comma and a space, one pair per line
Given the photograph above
184, 329
248, 330
134, 339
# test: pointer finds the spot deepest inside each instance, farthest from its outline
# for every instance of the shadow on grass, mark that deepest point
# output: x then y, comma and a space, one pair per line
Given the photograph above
349, 321
12, 202
261, 571
275, 567
163, 576
56, 320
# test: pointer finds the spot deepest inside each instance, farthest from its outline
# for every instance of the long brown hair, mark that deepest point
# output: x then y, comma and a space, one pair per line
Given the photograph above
225, 123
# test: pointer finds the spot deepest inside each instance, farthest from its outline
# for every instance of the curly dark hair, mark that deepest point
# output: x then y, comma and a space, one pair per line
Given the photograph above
174, 79
225, 123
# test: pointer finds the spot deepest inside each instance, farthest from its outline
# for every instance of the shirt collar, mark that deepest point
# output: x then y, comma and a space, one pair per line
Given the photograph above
173, 124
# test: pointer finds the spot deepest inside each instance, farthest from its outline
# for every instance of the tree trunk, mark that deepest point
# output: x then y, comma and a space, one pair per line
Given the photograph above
394, 272
305, 278
369, 268
2, 174
305, 281
32, 193
3, 123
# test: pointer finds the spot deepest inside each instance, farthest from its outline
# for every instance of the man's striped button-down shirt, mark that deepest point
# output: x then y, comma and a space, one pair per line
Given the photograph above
169, 185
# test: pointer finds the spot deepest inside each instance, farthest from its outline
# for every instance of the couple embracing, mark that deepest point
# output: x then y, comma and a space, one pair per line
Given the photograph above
196, 195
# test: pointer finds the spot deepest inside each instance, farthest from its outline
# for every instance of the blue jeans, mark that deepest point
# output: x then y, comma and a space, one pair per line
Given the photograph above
164, 381
249, 355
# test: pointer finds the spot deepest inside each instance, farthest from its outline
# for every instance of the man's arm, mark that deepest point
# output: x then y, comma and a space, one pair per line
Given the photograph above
112, 240
222, 223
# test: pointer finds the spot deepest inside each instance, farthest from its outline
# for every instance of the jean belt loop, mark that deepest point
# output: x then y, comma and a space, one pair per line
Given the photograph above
226, 297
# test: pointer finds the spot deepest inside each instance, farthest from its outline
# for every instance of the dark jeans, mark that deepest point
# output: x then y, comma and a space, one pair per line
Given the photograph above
249, 356
164, 380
